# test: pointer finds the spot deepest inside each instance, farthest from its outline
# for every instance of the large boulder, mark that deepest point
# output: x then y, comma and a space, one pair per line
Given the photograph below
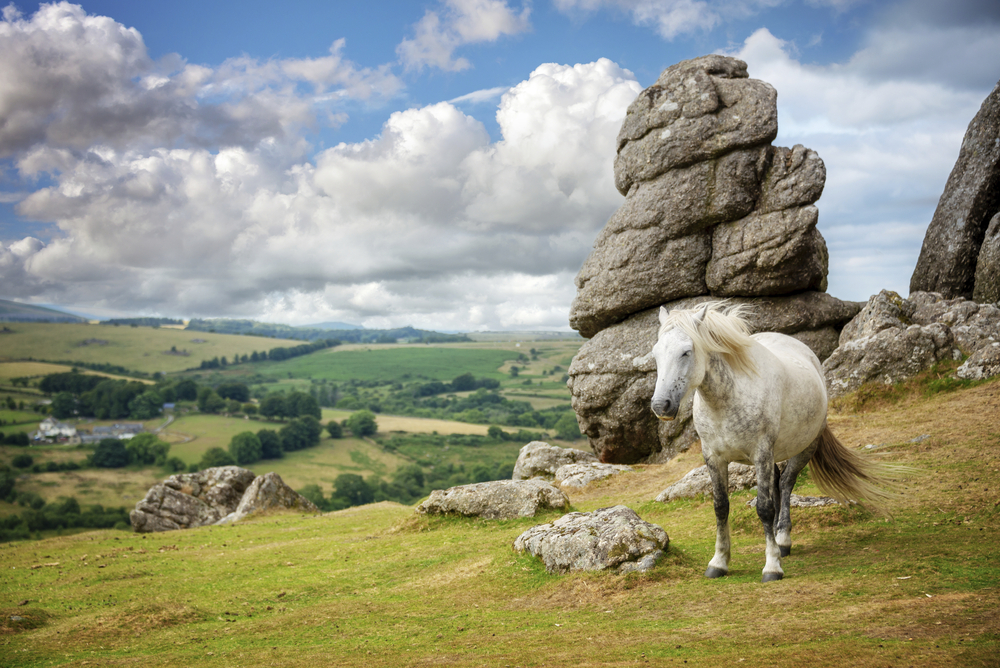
577, 476
612, 376
971, 198
268, 492
608, 538
711, 210
893, 339
541, 460
711, 206
697, 482
496, 500
697, 110
189, 500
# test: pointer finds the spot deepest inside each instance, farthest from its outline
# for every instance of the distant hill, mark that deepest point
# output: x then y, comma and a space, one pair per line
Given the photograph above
278, 331
332, 325
18, 312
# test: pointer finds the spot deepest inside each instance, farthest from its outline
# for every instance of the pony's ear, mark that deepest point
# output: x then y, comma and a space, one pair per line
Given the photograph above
701, 315
664, 313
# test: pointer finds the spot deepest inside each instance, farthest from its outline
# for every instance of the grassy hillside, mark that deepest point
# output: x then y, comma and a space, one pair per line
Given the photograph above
18, 312
379, 586
136, 348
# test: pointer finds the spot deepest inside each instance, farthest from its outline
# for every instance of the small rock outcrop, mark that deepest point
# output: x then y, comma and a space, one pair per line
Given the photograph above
697, 481
189, 500
265, 493
541, 460
608, 538
577, 476
893, 339
216, 495
496, 500
712, 210
959, 232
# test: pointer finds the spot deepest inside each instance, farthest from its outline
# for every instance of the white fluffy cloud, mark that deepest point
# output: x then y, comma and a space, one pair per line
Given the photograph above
889, 144
184, 190
401, 228
70, 79
438, 34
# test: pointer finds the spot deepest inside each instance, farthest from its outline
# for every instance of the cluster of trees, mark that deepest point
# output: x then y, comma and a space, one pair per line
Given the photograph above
141, 449
485, 405
109, 399
274, 355
248, 447
15, 438
407, 485
66, 513
464, 383
291, 405
142, 322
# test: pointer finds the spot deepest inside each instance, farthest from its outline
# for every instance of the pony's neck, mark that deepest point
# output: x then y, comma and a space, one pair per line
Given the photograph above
718, 384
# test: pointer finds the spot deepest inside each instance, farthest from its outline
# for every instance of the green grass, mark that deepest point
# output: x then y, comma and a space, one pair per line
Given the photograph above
136, 348
391, 363
380, 586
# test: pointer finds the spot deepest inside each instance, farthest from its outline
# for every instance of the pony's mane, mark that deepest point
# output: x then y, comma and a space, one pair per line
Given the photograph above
717, 327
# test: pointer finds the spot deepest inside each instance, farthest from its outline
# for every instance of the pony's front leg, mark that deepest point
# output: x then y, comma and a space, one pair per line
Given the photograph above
719, 473
768, 498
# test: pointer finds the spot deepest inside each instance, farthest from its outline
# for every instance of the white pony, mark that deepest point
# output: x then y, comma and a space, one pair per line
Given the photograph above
758, 400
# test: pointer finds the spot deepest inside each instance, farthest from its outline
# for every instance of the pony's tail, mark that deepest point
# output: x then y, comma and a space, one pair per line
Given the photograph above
847, 476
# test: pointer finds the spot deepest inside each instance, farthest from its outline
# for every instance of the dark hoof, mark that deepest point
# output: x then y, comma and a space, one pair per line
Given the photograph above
714, 572
771, 577
785, 551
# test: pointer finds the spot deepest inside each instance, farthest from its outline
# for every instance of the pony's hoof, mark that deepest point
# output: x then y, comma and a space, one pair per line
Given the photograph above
785, 551
771, 577
714, 572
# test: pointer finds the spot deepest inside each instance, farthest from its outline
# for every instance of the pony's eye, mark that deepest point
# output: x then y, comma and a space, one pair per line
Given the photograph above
686, 353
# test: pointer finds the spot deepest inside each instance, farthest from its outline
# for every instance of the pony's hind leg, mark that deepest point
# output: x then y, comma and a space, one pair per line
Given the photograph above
767, 510
783, 523
719, 474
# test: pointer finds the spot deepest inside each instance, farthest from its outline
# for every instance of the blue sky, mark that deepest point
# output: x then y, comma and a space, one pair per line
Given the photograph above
445, 165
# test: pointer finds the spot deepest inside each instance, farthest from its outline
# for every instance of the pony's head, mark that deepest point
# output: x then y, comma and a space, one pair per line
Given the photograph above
685, 341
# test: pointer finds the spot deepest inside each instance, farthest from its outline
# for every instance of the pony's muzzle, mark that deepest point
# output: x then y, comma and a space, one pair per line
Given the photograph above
666, 411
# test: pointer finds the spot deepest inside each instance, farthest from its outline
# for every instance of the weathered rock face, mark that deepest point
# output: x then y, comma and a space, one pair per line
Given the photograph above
711, 210
541, 460
697, 110
217, 495
577, 476
894, 338
697, 481
496, 500
608, 538
971, 198
612, 376
267, 492
191, 499
987, 287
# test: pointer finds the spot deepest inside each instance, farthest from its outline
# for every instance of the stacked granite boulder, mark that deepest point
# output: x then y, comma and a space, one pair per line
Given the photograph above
960, 257
712, 210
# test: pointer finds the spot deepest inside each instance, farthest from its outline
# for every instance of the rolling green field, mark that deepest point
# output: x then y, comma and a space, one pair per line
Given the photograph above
143, 349
379, 585
393, 363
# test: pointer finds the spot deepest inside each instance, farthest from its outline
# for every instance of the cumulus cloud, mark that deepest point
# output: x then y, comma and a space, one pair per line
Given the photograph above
889, 144
460, 22
427, 215
73, 80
